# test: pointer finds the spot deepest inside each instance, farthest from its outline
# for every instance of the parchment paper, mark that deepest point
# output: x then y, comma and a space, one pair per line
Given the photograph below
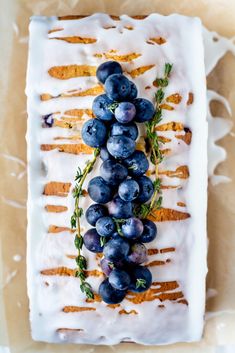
218, 15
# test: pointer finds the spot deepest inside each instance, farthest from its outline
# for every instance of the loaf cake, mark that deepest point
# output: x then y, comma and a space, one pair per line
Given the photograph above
64, 53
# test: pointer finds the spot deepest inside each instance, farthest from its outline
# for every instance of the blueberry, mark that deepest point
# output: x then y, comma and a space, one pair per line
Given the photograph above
120, 146
99, 191
138, 254
129, 130
149, 232
144, 110
116, 235
106, 266
146, 189
137, 163
141, 279
48, 120
119, 208
94, 212
100, 108
125, 112
106, 69
117, 87
94, 133
104, 154
128, 190
116, 249
109, 294
105, 226
133, 92
92, 240
119, 279
113, 172
132, 228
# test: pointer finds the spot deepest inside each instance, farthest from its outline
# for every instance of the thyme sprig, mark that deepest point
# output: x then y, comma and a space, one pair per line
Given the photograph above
154, 141
113, 106
75, 224
140, 282
119, 222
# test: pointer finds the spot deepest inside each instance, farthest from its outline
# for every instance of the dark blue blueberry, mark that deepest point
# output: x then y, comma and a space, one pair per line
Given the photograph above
141, 279
125, 112
137, 164
128, 190
113, 172
116, 235
138, 254
133, 92
92, 241
105, 226
94, 133
116, 249
104, 154
146, 189
48, 120
94, 212
129, 130
144, 110
99, 191
106, 69
109, 294
100, 108
119, 208
120, 146
117, 87
132, 228
149, 232
106, 266
119, 279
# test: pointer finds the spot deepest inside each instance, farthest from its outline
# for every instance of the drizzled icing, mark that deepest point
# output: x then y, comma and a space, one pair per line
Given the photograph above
46, 251
216, 47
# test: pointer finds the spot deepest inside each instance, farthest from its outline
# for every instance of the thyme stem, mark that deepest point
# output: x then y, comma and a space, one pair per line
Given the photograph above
75, 224
156, 156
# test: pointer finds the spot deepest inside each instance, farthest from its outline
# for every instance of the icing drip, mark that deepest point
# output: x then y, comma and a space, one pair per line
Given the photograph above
216, 47
218, 128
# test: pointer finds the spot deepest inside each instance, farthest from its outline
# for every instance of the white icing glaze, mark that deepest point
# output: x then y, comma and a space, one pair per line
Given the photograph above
216, 47
176, 322
218, 127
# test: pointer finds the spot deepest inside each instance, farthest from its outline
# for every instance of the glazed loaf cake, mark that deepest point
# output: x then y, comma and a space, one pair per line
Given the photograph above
64, 54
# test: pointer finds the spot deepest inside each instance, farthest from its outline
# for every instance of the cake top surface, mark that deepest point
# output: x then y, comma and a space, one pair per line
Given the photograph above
61, 84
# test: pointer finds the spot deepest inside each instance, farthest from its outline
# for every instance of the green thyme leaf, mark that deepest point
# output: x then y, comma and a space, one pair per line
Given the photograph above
111, 265
81, 262
157, 184
78, 175
81, 275
78, 242
119, 222
96, 152
73, 221
103, 241
159, 95
113, 106
141, 211
140, 282
86, 288
158, 203
133, 167
168, 68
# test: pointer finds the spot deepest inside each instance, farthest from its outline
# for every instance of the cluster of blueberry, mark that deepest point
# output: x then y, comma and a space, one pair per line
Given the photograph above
122, 184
